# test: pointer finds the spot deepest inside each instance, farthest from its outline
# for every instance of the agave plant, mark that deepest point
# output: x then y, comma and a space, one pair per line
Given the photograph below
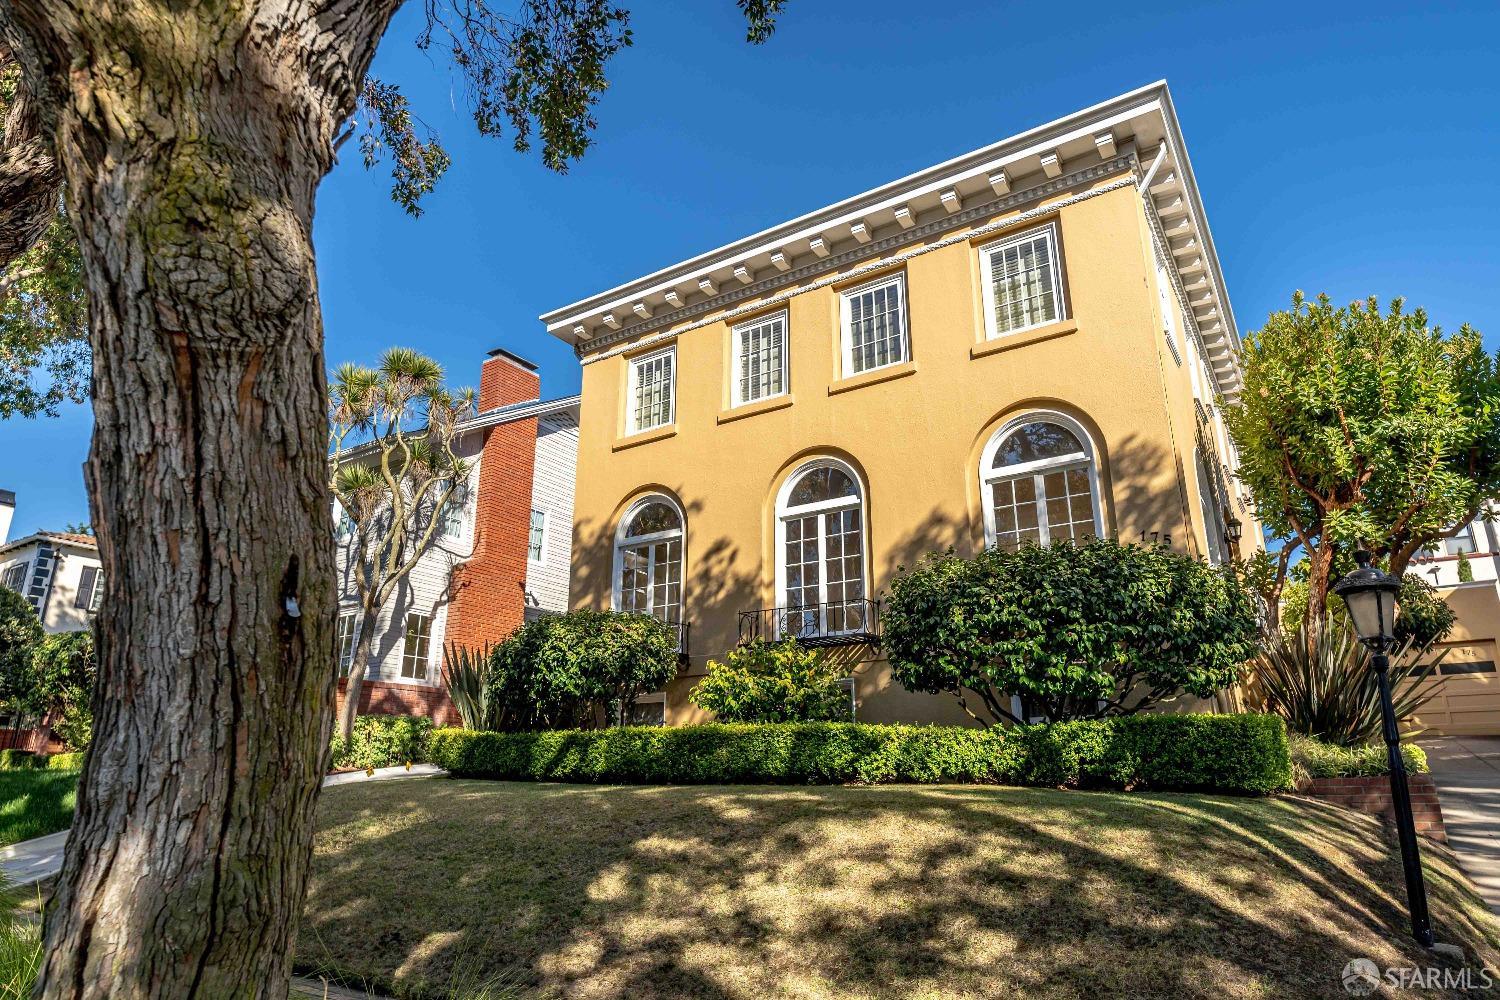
1323, 686
466, 672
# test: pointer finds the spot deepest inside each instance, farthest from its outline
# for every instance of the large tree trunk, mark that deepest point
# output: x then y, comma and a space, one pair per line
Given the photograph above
359, 667
1319, 566
192, 139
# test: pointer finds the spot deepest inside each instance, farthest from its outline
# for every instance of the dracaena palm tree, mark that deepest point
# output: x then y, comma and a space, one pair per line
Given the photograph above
394, 468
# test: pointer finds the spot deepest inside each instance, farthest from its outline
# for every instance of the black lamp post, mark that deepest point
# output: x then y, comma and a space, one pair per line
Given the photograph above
1371, 598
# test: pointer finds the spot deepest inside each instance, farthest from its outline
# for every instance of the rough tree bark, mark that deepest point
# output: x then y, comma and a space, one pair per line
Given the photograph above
192, 139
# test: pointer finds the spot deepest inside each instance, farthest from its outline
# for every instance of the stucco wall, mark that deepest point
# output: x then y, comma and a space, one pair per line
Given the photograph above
914, 434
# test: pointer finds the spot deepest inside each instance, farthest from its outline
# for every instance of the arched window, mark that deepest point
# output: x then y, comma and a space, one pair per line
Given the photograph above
1039, 483
820, 545
648, 560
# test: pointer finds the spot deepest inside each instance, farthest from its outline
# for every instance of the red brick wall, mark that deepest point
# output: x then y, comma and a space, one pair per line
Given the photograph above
385, 698
489, 590
1373, 795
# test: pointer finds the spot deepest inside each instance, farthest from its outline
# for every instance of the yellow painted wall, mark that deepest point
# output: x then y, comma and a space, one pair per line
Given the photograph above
914, 433
1468, 704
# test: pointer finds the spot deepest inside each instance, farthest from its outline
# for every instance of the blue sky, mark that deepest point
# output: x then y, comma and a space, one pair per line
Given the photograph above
1347, 148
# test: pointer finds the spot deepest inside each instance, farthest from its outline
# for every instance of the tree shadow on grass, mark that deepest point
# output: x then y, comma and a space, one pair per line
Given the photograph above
894, 891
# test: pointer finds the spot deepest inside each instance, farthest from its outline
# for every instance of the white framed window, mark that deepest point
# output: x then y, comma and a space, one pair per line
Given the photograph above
820, 551
1462, 541
1022, 282
345, 641
1039, 482
760, 359
90, 589
536, 540
451, 518
653, 390
15, 577
874, 325
648, 560
414, 653
345, 526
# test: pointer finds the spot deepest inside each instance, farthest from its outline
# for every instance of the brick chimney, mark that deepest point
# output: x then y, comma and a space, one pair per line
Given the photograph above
489, 590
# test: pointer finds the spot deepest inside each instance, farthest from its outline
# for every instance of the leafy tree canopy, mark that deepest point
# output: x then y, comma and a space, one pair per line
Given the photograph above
1082, 631
20, 633
1363, 427
534, 72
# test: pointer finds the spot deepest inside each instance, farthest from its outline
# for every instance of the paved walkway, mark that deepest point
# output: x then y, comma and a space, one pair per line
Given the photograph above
33, 860
1466, 770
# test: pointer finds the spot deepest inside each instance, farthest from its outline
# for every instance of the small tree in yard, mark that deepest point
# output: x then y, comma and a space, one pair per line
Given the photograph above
395, 486
63, 673
575, 670
1362, 428
1082, 631
773, 682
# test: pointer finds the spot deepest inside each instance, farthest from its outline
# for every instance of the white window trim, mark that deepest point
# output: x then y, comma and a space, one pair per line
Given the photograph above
736, 348
427, 675
785, 513
846, 333
616, 597
633, 416
338, 654
541, 558
987, 284
988, 475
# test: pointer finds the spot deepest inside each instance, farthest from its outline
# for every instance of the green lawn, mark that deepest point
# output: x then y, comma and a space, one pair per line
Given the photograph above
858, 892
33, 803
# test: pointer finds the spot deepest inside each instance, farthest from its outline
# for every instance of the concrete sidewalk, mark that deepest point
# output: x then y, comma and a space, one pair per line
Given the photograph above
33, 860
1466, 770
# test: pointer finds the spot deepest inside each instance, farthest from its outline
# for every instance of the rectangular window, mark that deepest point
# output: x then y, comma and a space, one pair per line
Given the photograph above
874, 322
760, 354
1022, 286
1463, 542
89, 586
537, 538
651, 390
345, 644
452, 525
15, 577
414, 654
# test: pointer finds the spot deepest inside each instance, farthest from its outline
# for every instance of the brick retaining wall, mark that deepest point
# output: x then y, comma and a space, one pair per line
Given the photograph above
384, 698
1373, 795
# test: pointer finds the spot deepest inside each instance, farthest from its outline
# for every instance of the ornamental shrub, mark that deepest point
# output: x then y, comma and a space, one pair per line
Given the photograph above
65, 762
580, 669
1242, 754
21, 760
1092, 630
773, 682
383, 741
1313, 758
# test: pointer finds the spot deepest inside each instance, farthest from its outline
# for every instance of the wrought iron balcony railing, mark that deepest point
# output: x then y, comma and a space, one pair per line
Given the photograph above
831, 623
684, 629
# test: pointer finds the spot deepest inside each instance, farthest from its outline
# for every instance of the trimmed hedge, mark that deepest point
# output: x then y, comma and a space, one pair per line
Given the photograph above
21, 760
1313, 758
1244, 754
65, 761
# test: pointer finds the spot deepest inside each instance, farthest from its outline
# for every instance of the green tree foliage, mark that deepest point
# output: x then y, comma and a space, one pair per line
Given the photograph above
63, 673
20, 634
773, 682
580, 669
536, 70
1081, 631
1465, 569
1363, 427
1422, 616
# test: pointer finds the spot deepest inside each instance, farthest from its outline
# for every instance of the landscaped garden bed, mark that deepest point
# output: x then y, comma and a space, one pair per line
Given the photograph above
878, 891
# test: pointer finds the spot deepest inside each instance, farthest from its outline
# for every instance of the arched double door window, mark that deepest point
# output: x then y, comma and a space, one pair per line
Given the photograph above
648, 560
820, 551
1040, 483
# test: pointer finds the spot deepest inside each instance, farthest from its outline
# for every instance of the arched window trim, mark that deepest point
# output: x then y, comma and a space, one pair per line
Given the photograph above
988, 475
784, 512
622, 542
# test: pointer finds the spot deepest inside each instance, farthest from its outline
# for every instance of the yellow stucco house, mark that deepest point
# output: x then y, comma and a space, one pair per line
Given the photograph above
1026, 342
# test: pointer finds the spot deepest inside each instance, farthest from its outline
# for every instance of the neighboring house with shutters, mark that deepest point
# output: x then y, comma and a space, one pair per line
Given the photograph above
501, 556
1025, 343
59, 574
1467, 701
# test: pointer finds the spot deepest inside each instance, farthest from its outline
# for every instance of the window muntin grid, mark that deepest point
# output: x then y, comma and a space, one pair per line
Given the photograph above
874, 325
1022, 282
761, 357
652, 388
